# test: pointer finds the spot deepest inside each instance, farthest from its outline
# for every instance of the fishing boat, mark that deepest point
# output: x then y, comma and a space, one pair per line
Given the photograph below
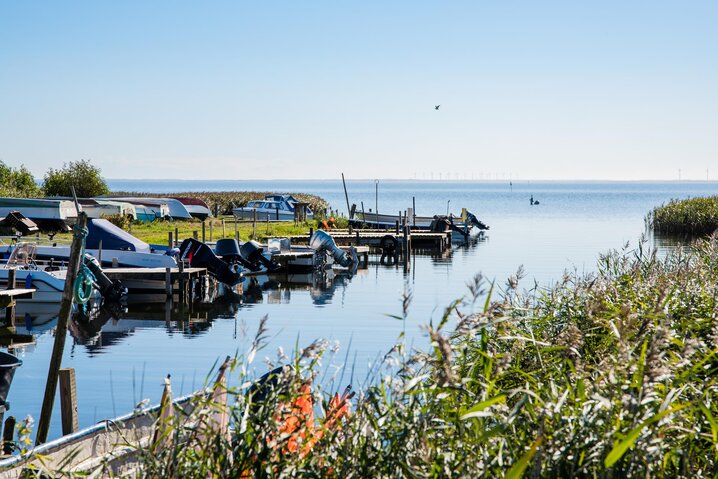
272, 208
463, 223
48, 284
196, 207
49, 215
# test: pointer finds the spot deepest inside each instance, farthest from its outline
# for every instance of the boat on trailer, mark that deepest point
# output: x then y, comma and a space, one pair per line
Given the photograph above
196, 207
272, 208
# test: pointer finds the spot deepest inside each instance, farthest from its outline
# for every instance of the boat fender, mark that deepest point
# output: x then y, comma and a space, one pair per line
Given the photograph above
388, 244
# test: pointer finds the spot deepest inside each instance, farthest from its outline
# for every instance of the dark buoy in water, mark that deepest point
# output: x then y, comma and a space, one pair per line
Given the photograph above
533, 202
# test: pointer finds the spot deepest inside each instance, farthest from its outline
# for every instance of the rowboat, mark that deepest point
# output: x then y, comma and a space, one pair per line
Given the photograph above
49, 215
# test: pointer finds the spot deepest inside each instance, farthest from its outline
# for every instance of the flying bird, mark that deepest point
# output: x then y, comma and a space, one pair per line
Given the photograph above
437, 107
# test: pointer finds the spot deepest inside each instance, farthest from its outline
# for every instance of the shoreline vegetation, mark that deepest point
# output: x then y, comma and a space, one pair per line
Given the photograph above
689, 217
610, 374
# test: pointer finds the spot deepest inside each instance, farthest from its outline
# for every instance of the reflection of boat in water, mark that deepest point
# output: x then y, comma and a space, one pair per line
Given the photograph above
320, 284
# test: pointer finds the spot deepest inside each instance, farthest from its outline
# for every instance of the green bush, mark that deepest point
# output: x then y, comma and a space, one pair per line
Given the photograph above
85, 177
17, 182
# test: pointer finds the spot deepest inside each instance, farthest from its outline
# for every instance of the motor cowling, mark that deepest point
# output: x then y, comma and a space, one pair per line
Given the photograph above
110, 290
199, 255
321, 241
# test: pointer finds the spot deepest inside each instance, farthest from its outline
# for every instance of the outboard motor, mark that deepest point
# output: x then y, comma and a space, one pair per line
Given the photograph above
439, 224
321, 241
228, 250
252, 252
471, 218
200, 255
110, 290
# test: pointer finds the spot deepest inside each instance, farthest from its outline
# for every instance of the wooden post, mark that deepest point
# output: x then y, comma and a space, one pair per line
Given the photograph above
10, 309
254, 223
168, 281
195, 235
236, 232
73, 266
224, 230
68, 401
7, 435
203, 232
99, 253
176, 236
211, 230
413, 210
397, 227
170, 241
346, 195
182, 292
311, 232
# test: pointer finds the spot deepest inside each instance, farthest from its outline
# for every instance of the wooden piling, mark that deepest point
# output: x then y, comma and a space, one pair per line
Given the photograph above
211, 230
168, 281
68, 401
170, 240
204, 238
224, 230
176, 236
182, 286
10, 309
236, 232
73, 266
254, 224
7, 435
195, 235
99, 253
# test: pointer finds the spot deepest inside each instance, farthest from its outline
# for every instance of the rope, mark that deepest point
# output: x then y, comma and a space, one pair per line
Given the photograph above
83, 286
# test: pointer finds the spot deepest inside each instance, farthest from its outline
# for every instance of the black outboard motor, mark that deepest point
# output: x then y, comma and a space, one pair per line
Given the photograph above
112, 291
200, 255
472, 219
439, 224
228, 250
252, 251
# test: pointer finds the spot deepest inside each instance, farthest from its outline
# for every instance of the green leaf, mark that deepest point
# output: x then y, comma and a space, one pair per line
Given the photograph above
469, 413
517, 470
620, 448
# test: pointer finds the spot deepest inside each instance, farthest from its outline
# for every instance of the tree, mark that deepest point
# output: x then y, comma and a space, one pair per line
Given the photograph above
17, 181
85, 177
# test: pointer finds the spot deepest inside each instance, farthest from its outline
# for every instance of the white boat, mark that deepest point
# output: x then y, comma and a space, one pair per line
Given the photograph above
272, 208
118, 248
195, 207
164, 207
99, 208
49, 285
49, 215
463, 223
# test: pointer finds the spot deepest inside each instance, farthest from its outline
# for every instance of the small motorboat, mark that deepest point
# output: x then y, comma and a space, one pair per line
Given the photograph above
272, 208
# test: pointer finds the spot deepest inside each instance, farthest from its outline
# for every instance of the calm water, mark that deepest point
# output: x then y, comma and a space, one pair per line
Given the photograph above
574, 223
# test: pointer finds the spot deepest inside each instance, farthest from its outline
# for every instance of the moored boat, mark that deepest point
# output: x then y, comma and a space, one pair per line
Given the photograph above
49, 215
272, 208
196, 207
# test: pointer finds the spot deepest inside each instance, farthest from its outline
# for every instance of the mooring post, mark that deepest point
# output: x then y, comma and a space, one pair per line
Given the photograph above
236, 232
397, 227
73, 266
68, 401
168, 281
224, 230
211, 230
195, 235
99, 253
254, 223
176, 236
7, 435
10, 309
182, 285
170, 240
203, 232
413, 209
311, 232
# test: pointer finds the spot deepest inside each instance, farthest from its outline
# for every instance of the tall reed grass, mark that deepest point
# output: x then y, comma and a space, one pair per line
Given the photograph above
690, 217
609, 375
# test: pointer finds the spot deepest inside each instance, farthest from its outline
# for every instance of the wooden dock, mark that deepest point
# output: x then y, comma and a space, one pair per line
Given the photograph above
378, 239
300, 261
8, 333
172, 281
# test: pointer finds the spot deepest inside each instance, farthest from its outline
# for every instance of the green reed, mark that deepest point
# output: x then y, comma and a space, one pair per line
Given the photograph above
611, 375
693, 216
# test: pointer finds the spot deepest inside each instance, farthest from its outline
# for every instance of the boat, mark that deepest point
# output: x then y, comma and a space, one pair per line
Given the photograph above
99, 208
272, 208
463, 223
49, 285
196, 207
50, 215
110, 245
162, 207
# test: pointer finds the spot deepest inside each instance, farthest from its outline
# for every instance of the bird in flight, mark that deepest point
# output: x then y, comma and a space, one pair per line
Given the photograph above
437, 107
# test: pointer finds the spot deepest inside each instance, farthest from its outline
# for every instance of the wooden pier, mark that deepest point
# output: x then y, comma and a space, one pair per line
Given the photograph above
381, 240
299, 261
153, 281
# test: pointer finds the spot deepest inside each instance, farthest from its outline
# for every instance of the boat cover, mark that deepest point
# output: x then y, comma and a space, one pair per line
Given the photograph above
112, 237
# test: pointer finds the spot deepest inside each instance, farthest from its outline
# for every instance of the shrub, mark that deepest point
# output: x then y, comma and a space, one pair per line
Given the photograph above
17, 182
85, 177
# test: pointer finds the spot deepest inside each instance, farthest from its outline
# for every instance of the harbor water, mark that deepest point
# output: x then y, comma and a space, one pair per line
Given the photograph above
126, 362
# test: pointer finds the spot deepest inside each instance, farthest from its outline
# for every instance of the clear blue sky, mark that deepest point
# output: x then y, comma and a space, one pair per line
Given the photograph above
308, 89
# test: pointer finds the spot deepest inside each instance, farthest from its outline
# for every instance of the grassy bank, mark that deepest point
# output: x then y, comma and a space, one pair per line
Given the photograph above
222, 202
608, 375
691, 217
156, 232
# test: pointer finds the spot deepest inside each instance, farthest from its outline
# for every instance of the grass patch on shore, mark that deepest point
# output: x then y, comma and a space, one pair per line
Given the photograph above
609, 375
690, 217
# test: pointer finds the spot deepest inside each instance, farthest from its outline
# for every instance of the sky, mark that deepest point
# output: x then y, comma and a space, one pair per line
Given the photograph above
618, 90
